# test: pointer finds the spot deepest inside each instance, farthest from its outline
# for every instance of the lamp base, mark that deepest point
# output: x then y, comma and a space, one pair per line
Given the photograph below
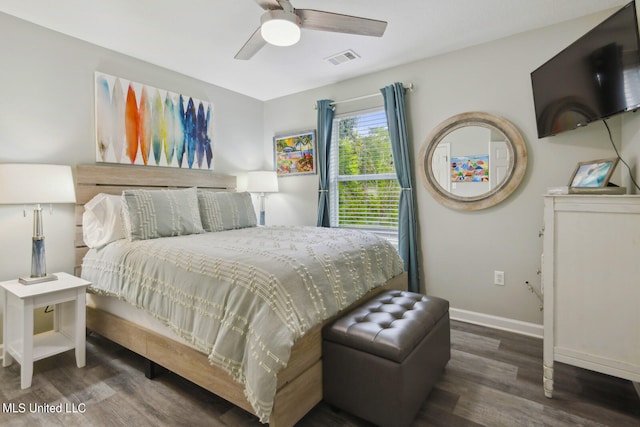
34, 280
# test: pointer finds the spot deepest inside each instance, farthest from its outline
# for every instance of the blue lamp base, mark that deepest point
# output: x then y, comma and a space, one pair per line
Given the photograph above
262, 209
38, 262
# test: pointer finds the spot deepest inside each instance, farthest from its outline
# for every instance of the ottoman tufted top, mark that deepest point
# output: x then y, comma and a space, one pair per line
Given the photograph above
389, 325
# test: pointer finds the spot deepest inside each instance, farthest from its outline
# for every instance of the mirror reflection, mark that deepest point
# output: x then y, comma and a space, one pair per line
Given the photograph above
479, 161
473, 161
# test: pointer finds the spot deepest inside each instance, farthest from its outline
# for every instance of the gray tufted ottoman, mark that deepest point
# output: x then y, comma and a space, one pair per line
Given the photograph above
381, 360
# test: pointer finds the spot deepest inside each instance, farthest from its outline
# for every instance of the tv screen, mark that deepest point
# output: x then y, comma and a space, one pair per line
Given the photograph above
595, 77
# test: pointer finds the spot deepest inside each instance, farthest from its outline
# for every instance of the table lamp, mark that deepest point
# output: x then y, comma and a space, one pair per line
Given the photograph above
262, 182
36, 184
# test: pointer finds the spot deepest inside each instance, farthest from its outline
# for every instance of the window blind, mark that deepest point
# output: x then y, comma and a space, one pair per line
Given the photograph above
364, 189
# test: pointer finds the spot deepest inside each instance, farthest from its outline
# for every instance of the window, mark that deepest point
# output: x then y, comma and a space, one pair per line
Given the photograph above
363, 185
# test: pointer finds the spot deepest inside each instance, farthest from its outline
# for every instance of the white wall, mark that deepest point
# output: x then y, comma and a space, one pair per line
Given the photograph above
47, 116
460, 250
630, 151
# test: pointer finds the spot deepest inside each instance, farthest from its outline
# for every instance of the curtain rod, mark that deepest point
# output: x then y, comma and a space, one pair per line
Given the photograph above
408, 86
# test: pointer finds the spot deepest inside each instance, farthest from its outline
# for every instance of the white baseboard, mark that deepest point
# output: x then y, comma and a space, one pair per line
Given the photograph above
496, 322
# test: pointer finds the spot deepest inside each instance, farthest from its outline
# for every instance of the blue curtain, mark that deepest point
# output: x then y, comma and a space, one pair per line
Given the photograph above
394, 106
325, 123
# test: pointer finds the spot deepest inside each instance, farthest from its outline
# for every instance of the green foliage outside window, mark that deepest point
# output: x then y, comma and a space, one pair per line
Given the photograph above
368, 190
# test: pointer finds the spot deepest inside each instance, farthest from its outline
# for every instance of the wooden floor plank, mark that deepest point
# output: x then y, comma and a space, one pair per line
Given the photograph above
494, 379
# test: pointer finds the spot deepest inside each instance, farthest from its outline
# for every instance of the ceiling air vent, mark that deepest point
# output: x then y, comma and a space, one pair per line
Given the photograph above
342, 57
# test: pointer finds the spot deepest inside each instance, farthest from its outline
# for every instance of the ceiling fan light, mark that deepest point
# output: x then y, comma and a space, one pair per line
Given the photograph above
280, 28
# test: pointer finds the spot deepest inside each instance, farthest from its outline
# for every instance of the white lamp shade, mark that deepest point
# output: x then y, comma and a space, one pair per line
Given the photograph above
262, 182
25, 184
280, 28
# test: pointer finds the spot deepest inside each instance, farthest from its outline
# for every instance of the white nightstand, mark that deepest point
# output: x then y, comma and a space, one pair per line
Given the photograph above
67, 294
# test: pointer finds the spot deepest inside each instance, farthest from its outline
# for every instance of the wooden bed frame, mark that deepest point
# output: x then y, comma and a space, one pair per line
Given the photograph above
299, 384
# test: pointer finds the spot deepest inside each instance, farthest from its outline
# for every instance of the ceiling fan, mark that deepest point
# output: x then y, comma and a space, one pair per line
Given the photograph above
281, 24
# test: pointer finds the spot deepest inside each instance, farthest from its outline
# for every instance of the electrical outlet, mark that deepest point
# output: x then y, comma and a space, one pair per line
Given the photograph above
498, 278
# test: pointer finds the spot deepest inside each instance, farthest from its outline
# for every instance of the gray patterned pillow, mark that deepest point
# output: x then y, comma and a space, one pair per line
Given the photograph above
148, 214
226, 210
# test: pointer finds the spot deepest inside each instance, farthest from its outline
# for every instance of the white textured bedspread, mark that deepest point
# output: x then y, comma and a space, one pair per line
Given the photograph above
244, 296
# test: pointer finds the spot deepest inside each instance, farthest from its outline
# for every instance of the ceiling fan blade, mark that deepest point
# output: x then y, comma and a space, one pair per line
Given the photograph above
327, 21
252, 46
269, 4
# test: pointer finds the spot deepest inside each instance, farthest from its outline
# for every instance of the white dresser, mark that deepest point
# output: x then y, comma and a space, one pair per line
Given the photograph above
591, 284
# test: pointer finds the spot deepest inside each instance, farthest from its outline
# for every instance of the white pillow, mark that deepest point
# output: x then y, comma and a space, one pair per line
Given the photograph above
102, 220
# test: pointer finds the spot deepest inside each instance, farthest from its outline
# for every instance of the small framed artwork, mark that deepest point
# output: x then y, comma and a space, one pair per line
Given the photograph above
295, 153
470, 168
593, 173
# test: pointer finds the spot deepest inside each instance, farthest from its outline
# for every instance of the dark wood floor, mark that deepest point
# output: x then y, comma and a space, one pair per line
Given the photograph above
494, 378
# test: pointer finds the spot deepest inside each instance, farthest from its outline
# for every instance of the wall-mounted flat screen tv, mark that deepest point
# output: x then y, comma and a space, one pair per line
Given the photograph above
595, 77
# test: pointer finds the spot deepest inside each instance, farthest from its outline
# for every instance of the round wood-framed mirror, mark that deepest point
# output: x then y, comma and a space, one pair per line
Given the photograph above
473, 160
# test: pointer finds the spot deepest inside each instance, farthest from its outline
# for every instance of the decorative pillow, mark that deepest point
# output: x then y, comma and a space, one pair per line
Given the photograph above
226, 210
101, 220
148, 214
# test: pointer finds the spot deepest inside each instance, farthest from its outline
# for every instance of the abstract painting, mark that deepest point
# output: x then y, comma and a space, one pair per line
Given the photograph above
143, 125
470, 168
295, 153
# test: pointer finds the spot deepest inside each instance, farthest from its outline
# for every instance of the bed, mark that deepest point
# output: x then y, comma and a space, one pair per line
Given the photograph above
298, 384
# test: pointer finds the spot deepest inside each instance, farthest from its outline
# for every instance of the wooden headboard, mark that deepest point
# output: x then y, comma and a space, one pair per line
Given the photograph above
112, 179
